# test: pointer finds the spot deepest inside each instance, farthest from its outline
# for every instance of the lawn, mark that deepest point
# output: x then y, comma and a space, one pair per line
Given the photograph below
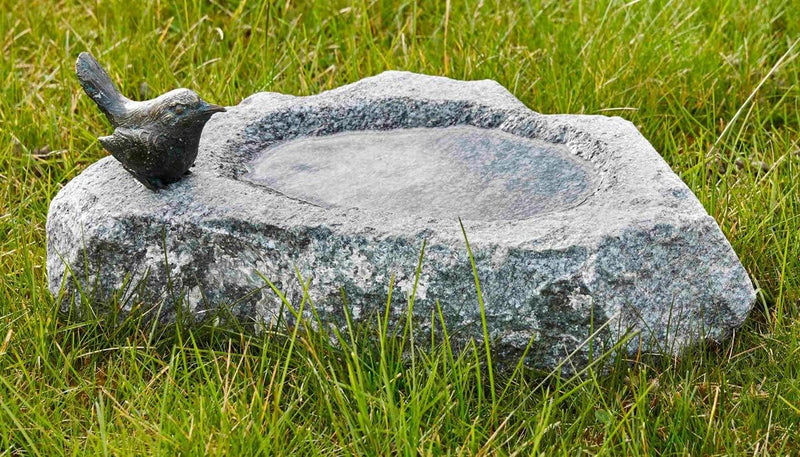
714, 85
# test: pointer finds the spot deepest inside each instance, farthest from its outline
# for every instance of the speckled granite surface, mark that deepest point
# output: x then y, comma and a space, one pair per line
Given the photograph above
635, 253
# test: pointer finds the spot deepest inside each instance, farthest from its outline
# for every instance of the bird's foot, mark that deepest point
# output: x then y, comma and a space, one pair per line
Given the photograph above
153, 184
156, 184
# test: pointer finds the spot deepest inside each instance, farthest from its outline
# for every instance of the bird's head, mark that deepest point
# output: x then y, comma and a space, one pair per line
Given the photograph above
184, 109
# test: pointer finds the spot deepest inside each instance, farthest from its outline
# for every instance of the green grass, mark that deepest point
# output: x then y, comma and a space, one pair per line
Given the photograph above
713, 85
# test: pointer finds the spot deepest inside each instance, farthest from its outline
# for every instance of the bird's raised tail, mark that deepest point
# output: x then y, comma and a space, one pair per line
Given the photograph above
98, 85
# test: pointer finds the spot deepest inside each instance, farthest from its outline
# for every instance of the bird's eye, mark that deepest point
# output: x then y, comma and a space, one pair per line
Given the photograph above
179, 109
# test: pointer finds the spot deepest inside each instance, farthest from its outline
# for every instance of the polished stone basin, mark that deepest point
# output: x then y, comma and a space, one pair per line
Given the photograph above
462, 171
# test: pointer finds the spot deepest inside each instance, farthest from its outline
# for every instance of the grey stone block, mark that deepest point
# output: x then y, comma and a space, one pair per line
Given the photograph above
577, 224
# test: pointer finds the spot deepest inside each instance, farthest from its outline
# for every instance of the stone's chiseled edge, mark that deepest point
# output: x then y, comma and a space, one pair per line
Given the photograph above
640, 255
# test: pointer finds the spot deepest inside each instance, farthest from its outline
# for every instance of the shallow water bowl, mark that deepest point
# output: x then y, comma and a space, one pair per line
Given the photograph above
461, 171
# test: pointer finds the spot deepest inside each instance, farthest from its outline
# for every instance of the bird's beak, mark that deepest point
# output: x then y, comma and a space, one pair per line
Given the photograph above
214, 108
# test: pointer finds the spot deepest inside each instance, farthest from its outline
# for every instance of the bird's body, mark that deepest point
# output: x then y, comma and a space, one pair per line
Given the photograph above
155, 140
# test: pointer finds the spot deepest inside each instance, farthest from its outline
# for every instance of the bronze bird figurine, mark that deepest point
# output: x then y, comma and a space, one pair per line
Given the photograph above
155, 140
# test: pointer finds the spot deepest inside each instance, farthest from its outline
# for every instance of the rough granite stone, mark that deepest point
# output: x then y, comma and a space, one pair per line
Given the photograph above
577, 224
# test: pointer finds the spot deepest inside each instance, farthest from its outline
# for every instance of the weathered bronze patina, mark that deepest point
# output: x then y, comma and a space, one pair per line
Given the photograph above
155, 140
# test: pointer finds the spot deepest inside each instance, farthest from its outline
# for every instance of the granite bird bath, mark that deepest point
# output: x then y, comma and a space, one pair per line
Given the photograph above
578, 226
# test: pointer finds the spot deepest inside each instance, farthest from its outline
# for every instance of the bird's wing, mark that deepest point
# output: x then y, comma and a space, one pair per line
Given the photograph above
133, 149
129, 146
